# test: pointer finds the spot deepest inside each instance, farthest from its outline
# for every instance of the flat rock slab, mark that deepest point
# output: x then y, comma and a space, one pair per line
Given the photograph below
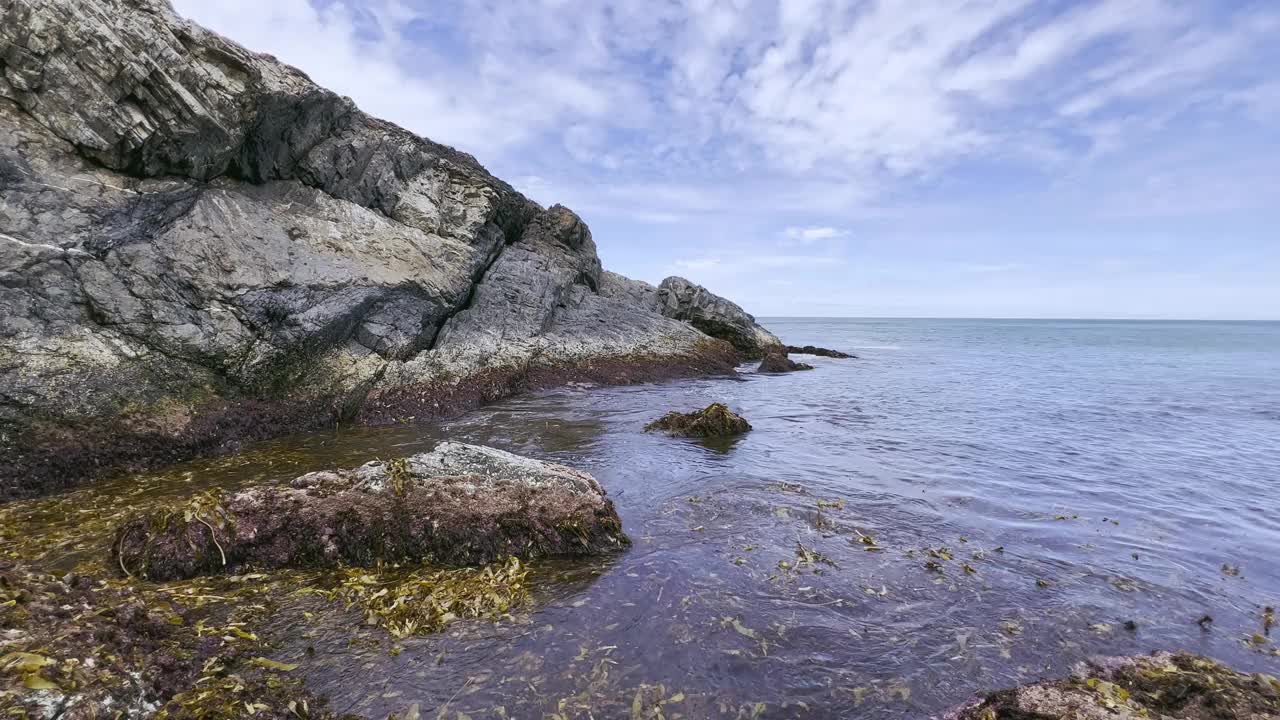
1163, 685
457, 505
716, 420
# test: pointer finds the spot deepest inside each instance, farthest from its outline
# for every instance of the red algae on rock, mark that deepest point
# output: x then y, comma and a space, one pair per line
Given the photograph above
458, 505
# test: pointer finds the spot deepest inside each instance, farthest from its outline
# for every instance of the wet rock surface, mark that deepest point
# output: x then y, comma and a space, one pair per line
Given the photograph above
78, 647
1163, 685
775, 363
716, 420
818, 351
457, 505
199, 247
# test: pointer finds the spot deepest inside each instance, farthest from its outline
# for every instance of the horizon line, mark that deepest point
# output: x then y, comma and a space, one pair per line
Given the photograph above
1025, 318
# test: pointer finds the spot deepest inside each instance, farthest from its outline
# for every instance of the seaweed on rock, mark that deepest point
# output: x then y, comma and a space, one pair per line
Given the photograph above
1162, 685
458, 505
716, 420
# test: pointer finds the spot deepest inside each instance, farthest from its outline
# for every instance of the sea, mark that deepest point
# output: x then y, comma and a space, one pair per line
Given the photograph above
966, 506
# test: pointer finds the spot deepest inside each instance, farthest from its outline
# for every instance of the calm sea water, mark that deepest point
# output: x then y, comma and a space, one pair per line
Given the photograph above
969, 505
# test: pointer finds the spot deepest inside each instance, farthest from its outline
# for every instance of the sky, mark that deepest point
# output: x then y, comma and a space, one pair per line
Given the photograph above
948, 158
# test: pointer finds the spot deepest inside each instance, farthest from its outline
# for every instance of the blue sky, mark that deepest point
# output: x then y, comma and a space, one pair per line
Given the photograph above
972, 158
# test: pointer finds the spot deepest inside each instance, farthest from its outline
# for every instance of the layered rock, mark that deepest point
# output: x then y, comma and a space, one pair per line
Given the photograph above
198, 245
457, 505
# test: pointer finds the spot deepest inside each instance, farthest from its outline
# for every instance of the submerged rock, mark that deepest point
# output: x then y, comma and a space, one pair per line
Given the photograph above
77, 647
820, 352
776, 362
457, 505
715, 420
1162, 685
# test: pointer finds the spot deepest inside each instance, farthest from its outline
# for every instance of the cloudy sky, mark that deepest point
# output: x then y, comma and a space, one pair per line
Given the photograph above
975, 158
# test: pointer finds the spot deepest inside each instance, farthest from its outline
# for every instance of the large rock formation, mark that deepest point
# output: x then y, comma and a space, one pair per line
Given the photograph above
457, 505
198, 245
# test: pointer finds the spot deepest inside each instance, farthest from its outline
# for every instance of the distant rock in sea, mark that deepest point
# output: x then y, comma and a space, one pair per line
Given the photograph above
818, 351
200, 246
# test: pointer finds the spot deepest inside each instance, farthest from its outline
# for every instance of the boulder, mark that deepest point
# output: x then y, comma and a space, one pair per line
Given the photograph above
776, 362
820, 352
457, 505
1161, 685
716, 420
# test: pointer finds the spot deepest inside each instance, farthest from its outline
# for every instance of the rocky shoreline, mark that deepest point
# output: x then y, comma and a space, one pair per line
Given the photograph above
200, 247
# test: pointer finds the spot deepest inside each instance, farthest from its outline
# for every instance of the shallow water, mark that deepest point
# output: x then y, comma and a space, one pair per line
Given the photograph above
1067, 476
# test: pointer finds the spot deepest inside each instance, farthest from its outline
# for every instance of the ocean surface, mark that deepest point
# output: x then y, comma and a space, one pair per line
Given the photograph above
968, 505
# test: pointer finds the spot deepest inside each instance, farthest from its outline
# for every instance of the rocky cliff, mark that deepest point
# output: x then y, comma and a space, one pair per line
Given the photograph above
198, 245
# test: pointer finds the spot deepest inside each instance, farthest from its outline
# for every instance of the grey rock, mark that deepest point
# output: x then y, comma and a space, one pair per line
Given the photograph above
198, 246
680, 299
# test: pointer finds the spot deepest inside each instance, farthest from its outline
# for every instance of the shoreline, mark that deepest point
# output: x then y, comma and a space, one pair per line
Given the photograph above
48, 460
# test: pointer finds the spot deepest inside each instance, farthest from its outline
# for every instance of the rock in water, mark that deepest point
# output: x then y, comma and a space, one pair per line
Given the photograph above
1162, 685
200, 246
457, 505
716, 420
776, 362
820, 352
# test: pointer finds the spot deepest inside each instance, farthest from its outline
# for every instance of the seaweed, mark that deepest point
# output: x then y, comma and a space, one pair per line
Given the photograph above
716, 420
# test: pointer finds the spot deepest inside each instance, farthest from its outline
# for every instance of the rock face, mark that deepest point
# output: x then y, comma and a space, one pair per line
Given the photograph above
716, 420
1163, 685
775, 362
457, 505
198, 245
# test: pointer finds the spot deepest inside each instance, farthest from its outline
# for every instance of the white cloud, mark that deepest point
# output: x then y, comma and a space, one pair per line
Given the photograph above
698, 128
810, 235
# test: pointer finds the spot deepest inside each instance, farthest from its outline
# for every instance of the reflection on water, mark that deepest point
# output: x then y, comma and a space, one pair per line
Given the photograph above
968, 506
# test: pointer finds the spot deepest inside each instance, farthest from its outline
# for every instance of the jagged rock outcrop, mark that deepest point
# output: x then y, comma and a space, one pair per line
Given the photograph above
715, 316
198, 245
457, 505
680, 299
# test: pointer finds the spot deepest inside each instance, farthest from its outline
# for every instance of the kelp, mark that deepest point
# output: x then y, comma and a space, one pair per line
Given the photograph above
425, 600
76, 646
